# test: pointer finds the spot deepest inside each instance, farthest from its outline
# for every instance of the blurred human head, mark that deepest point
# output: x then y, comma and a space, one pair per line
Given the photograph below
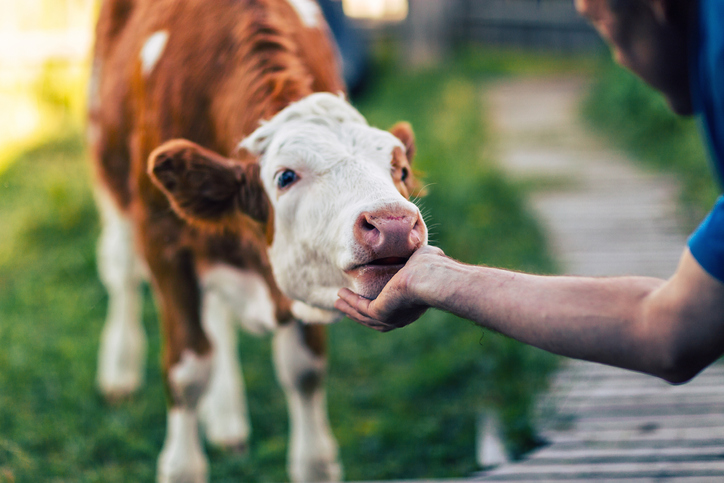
651, 38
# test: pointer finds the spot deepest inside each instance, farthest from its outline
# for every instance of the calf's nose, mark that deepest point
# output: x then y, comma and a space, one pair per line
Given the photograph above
390, 233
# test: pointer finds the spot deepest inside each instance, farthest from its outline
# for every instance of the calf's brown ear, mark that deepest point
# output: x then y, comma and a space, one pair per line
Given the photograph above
403, 132
205, 187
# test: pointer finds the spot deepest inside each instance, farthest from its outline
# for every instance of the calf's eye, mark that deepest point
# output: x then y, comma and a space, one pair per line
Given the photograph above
286, 178
405, 173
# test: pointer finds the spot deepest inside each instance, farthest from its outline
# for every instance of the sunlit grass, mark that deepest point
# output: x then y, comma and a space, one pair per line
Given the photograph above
38, 103
20, 125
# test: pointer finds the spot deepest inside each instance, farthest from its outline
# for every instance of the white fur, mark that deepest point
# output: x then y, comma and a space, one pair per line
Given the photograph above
93, 131
182, 460
313, 452
189, 378
152, 50
246, 293
344, 169
313, 315
223, 408
122, 352
308, 11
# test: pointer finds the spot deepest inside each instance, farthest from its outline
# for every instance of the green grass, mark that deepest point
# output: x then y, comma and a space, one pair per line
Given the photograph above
636, 118
402, 405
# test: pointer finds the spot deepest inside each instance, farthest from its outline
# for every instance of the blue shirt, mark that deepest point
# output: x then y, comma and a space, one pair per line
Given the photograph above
707, 85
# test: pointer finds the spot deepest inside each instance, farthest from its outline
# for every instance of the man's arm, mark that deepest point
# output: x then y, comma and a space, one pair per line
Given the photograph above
671, 329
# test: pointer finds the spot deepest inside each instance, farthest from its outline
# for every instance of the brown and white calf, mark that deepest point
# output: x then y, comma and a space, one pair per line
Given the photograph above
233, 175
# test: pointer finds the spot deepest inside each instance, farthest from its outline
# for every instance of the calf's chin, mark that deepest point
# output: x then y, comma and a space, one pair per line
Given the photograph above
370, 282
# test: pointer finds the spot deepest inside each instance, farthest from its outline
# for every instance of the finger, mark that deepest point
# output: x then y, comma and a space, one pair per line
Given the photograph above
353, 314
429, 249
358, 302
361, 319
377, 327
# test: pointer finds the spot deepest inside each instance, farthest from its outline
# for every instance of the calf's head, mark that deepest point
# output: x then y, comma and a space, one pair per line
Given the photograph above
335, 189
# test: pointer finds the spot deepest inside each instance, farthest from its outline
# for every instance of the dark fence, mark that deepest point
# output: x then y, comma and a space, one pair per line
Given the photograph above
538, 24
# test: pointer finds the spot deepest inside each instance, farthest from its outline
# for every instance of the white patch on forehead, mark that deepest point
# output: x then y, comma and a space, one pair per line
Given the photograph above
307, 10
152, 50
321, 108
321, 129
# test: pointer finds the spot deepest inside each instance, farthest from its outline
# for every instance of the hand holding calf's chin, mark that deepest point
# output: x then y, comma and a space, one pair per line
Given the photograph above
402, 300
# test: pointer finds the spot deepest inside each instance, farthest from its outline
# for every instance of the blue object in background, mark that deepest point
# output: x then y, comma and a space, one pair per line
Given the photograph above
352, 45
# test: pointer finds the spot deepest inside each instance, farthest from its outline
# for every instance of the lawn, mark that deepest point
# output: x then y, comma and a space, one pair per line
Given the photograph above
402, 405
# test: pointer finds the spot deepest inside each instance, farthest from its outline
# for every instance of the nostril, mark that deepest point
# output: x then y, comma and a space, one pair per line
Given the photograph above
365, 229
366, 225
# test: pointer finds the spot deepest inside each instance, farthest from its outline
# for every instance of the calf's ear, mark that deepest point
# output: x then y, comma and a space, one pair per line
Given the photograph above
204, 187
403, 132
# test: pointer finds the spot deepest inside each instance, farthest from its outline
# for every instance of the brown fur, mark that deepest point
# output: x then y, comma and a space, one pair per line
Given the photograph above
205, 188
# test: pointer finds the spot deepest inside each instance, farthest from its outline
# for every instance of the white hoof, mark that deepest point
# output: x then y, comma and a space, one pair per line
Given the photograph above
315, 471
182, 460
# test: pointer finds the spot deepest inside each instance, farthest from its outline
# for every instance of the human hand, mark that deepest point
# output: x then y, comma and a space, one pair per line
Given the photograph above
401, 301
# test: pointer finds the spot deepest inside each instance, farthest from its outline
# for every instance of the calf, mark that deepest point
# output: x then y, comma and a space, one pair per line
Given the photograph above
232, 174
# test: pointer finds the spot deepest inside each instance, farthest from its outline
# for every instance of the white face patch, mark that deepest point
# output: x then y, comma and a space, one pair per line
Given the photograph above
343, 168
152, 50
308, 11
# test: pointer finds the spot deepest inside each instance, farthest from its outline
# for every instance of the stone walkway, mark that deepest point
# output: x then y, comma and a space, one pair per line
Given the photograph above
604, 216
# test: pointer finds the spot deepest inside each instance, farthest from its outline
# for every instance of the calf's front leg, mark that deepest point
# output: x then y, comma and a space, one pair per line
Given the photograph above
300, 362
223, 409
187, 362
122, 351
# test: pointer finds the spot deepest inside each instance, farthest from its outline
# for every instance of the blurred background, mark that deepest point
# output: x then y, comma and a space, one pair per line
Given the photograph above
403, 405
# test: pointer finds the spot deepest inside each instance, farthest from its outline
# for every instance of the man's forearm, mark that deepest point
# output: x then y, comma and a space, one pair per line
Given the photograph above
609, 320
669, 328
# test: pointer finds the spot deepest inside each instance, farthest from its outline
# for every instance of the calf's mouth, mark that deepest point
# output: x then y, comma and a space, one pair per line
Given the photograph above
388, 261
369, 278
